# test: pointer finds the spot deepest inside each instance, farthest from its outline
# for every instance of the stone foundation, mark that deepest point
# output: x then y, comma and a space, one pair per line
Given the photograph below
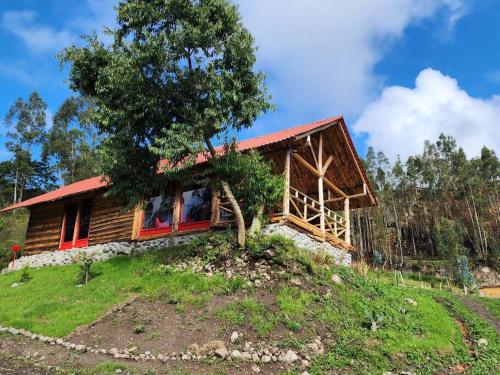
304, 241
105, 251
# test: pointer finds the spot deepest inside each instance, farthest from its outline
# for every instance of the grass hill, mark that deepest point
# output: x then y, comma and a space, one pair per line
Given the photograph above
273, 309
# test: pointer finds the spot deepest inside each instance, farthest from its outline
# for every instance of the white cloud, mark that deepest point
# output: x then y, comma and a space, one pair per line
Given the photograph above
14, 72
319, 55
403, 118
38, 37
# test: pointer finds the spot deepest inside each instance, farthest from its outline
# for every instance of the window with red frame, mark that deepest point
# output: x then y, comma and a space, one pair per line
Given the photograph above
196, 208
158, 215
76, 225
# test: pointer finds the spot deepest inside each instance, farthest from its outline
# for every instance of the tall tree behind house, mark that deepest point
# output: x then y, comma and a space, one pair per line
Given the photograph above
26, 125
432, 192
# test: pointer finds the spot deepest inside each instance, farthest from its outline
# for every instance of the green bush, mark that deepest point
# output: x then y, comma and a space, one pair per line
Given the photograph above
279, 250
25, 275
85, 272
214, 247
5, 257
463, 275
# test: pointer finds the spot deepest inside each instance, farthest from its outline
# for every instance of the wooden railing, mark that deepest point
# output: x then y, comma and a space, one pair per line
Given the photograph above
308, 210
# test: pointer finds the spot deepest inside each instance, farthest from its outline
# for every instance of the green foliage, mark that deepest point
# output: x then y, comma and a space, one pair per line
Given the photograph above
177, 74
252, 180
139, 329
214, 247
12, 231
463, 275
85, 272
25, 275
449, 238
72, 141
281, 251
378, 258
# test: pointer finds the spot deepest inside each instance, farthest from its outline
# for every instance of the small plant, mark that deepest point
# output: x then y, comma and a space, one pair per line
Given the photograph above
378, 258
25, 275
360, 267
463, 275
85, 273
139, 329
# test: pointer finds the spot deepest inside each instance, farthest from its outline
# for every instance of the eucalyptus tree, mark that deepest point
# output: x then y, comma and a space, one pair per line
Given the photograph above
72, 141
177, 75
26, 124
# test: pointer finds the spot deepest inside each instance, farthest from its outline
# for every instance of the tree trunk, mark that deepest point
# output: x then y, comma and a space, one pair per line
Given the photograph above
238, 214
256, 222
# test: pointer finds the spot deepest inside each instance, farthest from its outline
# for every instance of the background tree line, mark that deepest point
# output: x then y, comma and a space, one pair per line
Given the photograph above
439, 204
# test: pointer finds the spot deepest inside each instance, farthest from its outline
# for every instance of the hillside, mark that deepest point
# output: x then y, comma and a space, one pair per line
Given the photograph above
206, 308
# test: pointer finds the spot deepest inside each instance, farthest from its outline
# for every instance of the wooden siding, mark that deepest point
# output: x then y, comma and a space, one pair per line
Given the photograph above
44, 228
108, 222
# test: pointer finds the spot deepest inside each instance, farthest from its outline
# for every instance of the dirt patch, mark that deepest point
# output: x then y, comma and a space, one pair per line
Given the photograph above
20, 355
481, 311
163, 328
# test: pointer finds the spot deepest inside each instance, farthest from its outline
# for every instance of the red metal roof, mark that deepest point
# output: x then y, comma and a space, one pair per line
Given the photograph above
79, 187
100, 182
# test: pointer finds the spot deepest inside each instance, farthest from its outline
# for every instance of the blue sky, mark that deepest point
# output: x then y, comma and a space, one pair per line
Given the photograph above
400, 71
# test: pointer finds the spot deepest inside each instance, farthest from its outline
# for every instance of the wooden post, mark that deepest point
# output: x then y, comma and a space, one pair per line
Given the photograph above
215, 216
177, 208
286, 195
320, 187
136, 227
347, 222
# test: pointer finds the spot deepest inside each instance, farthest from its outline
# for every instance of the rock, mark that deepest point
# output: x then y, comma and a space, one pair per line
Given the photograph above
289, 357
265, 359
118, 371
213, 345
256, 369
221, 352
15, 285
195, 348
81, 348
234, 337
304, 373
484, 270
236, 354
336, 279
482, 342
295, 281
258, 283
411, 301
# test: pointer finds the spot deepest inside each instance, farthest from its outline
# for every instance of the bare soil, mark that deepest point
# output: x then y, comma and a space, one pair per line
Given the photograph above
481, 311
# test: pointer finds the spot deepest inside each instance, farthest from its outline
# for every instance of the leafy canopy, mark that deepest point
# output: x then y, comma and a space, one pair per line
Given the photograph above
177, 74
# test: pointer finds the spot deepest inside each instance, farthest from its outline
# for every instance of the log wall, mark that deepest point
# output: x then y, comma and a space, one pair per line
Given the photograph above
44, 228
108, 222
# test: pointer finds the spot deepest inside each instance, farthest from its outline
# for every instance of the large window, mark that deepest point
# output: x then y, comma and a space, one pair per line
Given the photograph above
158, 215
195, 209
76, 225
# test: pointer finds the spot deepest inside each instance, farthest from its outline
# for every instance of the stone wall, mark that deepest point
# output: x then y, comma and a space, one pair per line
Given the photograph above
105, 251
304, 241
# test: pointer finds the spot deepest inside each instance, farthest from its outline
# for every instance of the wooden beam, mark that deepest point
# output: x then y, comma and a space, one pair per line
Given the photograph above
308, 142
136, 226
318, 174
347, 222
331, 200
327, 164
286, 195
318, 129
356, 163
320, 187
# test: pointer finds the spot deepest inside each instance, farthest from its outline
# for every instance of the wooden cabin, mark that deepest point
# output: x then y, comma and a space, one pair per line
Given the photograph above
324, 180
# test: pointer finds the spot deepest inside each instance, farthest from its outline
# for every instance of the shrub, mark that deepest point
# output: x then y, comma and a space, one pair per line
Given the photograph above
378, 258
5, 257
213, 247
463, 276
85, 273
25, 275
139, 329
279, 250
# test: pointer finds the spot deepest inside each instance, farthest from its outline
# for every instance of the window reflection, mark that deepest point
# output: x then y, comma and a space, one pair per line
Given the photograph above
196, 206
158, 212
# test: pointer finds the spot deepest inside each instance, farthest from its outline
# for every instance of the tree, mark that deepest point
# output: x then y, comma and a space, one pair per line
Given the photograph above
26, 122
178, 74
72, 141
253, 183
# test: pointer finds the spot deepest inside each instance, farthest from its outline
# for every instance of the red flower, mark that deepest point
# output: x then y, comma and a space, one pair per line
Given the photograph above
15, 248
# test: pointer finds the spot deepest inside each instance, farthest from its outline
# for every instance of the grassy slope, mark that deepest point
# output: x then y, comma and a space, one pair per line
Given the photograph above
423, 337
